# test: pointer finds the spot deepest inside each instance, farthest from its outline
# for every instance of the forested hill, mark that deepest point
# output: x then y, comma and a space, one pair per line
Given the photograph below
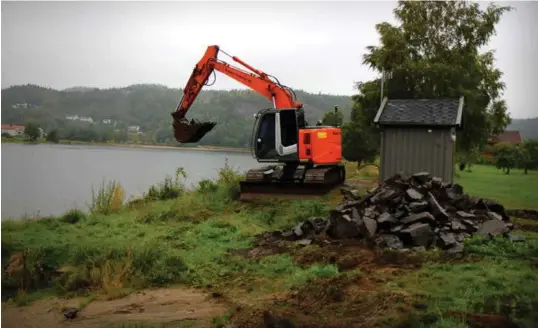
528, 128
149, 106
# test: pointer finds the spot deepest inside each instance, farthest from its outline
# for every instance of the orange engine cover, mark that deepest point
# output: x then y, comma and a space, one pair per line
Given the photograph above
320, 145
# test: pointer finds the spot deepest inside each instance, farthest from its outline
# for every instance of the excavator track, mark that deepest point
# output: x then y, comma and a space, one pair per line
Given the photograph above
291, 182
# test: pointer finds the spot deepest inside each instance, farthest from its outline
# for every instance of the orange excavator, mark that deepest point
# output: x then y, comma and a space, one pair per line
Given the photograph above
308, 158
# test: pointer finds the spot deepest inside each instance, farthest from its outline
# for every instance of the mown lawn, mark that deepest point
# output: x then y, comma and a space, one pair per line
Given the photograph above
514, 190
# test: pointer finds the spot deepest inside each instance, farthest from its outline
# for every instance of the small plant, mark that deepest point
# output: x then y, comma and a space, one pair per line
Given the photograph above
229, 180
168, 189
207, 186
73, 216
108, 199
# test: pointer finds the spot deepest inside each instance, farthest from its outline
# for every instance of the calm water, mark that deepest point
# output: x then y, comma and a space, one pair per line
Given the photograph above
49, 179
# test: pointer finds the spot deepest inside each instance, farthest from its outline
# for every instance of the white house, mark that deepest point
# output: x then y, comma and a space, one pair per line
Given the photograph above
79, 118
133, 128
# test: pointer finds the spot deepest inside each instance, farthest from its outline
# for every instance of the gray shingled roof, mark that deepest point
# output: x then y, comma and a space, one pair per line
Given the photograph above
420, 112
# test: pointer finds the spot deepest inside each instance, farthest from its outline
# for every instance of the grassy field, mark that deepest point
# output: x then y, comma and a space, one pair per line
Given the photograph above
514, 190
206, 239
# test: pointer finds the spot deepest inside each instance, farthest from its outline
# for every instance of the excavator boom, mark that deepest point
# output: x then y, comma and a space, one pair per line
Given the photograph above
189, 132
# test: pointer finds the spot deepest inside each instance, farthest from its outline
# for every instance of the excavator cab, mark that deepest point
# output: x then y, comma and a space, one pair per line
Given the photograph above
276, 133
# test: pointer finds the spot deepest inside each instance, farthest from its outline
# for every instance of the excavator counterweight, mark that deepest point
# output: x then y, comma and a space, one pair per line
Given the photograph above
307, 159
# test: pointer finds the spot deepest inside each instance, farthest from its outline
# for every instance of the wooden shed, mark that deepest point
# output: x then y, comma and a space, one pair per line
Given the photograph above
418, 135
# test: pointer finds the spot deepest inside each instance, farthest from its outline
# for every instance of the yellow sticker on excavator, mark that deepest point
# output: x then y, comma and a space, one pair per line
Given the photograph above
322, 135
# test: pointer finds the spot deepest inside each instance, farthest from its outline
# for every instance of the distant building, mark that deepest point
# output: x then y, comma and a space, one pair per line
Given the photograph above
133, 128
507, 136
13, 130
20, 105
79, 118
418, 135
107, 121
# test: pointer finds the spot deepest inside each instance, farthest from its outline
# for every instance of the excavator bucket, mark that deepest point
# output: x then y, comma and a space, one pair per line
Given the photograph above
191, 132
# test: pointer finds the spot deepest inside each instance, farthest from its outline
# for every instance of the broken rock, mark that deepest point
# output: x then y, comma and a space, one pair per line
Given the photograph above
386, 220
416, 207
492, 228
446, 240
390, 241
437, 211
408, 211
344, 227
418, 234
416, 217
369, 227
413, 194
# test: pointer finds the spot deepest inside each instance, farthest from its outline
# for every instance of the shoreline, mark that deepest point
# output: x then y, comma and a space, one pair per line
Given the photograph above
141, 146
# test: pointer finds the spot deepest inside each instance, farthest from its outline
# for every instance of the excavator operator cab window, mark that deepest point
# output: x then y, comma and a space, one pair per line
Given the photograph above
265, 140
277, 135
288, 127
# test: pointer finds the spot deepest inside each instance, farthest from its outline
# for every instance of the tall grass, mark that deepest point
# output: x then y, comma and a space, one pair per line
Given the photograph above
108, 198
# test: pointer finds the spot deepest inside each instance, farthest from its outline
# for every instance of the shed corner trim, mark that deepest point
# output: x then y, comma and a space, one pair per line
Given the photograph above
380, 110
460, 111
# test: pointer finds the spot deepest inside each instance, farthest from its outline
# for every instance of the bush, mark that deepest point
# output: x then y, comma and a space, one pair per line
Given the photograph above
228, 181
73, 216
168, 189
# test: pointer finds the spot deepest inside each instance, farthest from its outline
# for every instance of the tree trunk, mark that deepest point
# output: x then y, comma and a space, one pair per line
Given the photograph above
507, 170
526, 170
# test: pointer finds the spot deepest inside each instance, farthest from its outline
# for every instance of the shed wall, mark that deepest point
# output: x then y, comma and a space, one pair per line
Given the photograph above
414, 149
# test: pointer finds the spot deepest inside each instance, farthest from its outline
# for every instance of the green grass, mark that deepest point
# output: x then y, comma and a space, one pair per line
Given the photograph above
172, 236
502, 282
185, 239
514, 190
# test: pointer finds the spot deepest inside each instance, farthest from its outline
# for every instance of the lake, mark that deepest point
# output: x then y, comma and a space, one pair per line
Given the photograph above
47, 179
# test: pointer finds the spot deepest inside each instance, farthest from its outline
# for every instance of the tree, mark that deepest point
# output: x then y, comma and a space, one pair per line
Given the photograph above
528, 155
357, 144
506, 156
32, 131
434, 53
333, 118
52, 136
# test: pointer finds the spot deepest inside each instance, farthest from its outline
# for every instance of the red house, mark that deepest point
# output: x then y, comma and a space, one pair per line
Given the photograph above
506, 136
13, 130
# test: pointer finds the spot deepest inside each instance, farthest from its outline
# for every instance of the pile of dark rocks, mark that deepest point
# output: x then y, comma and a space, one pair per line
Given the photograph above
418, 211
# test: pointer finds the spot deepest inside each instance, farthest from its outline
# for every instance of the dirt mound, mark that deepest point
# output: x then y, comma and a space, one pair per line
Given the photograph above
419, 211
339, 302
149, 307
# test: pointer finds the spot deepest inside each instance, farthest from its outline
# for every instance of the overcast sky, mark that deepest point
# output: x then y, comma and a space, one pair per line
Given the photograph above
314, 46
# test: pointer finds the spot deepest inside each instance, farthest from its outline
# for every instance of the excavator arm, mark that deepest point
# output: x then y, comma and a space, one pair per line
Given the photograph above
188, 132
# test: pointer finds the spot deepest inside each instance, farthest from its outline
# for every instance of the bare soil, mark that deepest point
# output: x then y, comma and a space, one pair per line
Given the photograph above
151, 307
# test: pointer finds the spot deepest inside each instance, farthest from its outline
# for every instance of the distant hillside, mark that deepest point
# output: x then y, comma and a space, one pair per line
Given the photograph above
149, 106
528, 128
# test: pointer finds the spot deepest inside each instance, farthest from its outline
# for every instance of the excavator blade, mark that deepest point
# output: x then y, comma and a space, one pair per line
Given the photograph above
191, 132
273, 182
